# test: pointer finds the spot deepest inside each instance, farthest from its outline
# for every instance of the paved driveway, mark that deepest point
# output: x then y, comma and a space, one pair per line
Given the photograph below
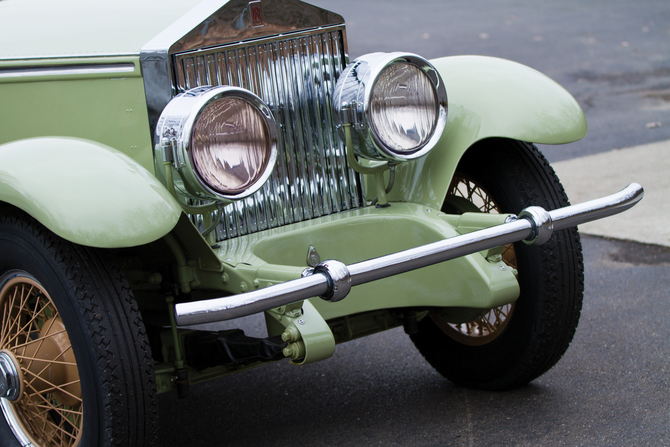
611, 388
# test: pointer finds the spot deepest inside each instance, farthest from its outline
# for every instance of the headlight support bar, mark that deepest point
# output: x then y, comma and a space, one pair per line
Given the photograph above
332, 280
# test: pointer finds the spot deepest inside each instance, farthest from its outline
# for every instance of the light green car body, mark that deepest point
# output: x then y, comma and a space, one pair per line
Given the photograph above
76, 154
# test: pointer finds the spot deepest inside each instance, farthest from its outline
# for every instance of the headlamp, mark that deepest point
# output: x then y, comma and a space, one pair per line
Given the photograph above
222, 142
396, 104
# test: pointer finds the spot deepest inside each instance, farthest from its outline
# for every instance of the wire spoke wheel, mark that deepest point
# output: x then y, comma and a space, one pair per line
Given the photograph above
75, 363
466, 195
49, 408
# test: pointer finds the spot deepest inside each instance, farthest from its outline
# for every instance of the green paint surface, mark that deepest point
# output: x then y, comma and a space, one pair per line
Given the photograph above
488, 97
86, 192
363, 234
111, 111
54, 28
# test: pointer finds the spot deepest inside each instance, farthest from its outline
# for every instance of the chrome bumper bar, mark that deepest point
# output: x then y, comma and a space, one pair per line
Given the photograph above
332, 280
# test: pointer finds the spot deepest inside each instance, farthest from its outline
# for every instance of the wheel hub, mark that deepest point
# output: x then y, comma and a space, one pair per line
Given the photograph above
10, 378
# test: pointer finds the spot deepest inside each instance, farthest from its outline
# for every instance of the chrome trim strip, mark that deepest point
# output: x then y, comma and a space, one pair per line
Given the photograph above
322, 284
167, 39
66, 70
154, 58
262, 40
571, 216
68, 56
221, 309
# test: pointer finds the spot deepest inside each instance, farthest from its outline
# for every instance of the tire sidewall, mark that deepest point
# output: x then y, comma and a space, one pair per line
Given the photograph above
545, 315
505, 351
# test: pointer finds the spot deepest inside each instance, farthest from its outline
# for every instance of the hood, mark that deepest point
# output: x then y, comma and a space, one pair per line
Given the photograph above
41, 29
37, 29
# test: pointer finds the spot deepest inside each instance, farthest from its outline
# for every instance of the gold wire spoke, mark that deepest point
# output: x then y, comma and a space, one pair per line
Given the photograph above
52, 387
40, 417
488, 326
28, 322
14, 322
63, 411
5, 328
32, 322
49, 363
34, 408
55, 362
47, 422
28, 343
41, 342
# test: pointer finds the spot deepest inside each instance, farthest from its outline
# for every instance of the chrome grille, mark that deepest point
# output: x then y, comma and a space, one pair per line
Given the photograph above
296, 77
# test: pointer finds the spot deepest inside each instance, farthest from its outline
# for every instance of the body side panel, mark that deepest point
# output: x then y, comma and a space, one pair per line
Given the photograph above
110, 109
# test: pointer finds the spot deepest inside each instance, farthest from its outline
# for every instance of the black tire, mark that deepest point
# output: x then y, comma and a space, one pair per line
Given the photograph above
83, 290
543, 320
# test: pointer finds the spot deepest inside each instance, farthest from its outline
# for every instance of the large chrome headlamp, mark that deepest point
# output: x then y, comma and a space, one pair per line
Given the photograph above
221, 140
396, 104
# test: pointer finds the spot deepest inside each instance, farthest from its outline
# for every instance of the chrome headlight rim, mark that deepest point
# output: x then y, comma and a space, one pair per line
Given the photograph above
353, 98
176, 129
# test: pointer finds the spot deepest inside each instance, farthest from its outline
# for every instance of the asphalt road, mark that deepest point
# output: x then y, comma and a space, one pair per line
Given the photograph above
610, 389
613, 385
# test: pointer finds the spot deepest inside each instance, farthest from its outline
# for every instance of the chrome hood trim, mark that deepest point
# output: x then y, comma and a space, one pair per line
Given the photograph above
213, 24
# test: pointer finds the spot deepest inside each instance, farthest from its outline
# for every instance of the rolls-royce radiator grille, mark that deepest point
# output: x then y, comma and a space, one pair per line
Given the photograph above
296, 77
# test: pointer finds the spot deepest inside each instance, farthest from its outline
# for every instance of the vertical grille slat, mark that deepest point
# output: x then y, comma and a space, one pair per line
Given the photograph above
319, 102
300, 123
296, 77
280, 177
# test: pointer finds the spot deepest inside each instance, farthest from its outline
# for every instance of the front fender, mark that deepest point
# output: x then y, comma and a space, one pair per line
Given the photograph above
86, 192
488, 97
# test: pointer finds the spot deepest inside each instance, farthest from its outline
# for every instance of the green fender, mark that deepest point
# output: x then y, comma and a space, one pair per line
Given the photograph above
86, 192
488, 97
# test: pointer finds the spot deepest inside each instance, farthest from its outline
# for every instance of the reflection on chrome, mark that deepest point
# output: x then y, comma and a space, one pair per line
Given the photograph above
296, 78
321, 283
396, 104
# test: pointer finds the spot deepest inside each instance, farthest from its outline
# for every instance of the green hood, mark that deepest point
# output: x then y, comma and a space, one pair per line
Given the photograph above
57, 28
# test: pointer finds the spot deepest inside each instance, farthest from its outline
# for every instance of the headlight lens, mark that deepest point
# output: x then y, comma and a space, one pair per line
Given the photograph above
396, 104
403, 107
230, 145
221, 140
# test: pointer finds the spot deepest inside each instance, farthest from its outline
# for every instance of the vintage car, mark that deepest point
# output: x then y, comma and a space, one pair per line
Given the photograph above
168, 164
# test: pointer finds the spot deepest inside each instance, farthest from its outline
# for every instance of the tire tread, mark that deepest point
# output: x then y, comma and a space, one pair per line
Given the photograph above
560, 289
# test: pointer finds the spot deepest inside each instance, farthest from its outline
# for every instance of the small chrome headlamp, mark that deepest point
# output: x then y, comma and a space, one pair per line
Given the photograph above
396, 104
221, 140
